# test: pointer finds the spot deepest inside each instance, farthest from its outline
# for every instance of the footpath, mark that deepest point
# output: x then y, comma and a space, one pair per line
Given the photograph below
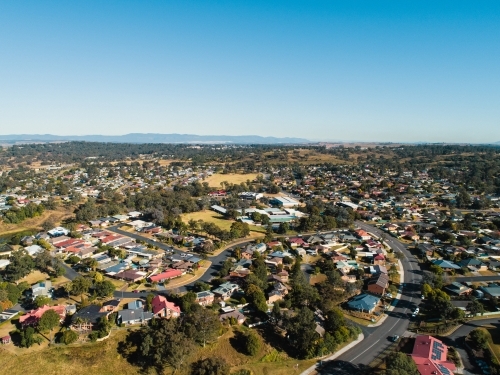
315, 367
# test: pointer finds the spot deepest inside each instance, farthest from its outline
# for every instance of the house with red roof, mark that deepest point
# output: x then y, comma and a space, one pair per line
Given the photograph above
6, 340
297, 242
360, 233
379, 259
32, 317
429, 354
166, 275
164, 309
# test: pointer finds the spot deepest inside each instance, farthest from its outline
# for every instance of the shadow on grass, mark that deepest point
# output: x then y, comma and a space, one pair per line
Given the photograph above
278, 342
129, 349
237, 342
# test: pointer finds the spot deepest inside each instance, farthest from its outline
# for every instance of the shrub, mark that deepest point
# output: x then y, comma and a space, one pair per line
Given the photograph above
68, 337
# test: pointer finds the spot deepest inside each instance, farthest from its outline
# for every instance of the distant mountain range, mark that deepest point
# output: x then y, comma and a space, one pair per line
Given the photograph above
152, 138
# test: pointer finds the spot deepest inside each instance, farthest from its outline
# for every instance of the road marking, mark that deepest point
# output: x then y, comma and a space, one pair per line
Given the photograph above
352, 360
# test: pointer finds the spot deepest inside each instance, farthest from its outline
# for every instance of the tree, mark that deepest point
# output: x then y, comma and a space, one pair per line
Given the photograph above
479, 338
398, 363
251, 342
49, 320
28, 338
73, 259
200, 286
80, 285
104, 288
202, 324
436, 269
210, 366
21, 264
43, 261
208, 247
68, 337
42, 301
256, 297
259, 269
475, 307
301, 331
164, 344
48, 225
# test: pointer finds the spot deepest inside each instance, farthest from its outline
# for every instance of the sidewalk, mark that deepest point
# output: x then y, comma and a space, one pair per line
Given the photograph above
314, 367
394, 301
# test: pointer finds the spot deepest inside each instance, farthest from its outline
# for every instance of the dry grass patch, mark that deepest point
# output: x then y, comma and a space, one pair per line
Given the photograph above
317, 279
96, 358
34, 277
35, 223
233, 178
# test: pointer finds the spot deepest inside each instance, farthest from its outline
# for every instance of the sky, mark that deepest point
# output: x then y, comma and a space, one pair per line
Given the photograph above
375, 71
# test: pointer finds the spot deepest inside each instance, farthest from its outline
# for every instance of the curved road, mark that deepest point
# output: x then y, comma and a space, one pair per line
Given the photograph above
396, 323
216, 260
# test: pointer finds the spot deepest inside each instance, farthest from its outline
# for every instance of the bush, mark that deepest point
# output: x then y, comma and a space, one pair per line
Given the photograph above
242, 372
68, 337
251, 343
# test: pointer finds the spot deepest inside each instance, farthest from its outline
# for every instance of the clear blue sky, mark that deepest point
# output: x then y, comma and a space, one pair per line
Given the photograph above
348, 70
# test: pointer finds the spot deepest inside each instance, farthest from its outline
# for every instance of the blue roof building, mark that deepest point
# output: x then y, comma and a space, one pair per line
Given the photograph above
363, 303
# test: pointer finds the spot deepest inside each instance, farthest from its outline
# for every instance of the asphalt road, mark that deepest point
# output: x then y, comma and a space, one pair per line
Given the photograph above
457, 339
377, 338
477, 278
216, 265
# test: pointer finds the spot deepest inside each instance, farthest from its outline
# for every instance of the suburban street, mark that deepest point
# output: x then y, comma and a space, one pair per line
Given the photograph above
377, 338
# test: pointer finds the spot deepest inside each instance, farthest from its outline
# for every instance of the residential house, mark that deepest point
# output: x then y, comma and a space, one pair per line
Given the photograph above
458, 289
134, 316
32, 317
446, 265
5, 340
297, 242
473, 264
134, 305
165, 309
85, 319
379, 259
430, 356
364, 303
491, 292
363, 235
166, 275
338, 257
378, 284
205, 298
43, 288
426, 249
33, 249
278, 292
130, 275
377, 269
226, 290
229, 312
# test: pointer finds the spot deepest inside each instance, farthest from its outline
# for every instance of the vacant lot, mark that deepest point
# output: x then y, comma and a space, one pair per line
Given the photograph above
35, 223
98, 358
103, 358
233, 178
219, 220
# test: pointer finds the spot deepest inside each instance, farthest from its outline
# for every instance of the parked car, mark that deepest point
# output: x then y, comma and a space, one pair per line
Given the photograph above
395, 338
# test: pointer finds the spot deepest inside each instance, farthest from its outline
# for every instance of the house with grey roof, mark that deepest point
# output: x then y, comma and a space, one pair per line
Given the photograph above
446, 265
134, 316
226, 290
43, 288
